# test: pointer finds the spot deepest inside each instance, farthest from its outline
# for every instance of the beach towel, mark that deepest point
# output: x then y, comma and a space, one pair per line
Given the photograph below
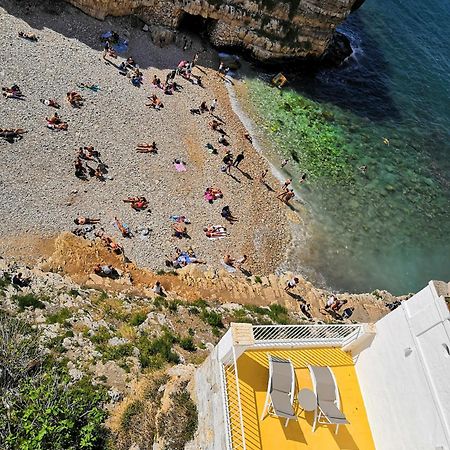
180, 167
93, 88
120, 47
229, 268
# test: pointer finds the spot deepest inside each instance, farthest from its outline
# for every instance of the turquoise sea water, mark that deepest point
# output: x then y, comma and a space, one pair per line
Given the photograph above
388, 228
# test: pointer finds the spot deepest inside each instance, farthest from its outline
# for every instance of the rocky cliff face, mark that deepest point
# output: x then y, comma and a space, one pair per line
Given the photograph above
270, 30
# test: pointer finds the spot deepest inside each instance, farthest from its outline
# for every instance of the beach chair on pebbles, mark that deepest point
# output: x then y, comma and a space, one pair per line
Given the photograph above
280, 390
328, 401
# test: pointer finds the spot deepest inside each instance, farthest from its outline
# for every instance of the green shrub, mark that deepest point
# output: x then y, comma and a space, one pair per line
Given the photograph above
187, 343
101, 336
212, 318
60, 316
5, 281
159, 302
173, 305
28, 300
194, 310
73, 293
200, 303
137, 318
258, 279
178, 425
155, 352
116, 352
279, 314
49, 413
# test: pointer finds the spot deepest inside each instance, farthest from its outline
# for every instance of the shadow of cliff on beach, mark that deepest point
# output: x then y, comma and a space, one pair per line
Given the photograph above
65, 19
360, 84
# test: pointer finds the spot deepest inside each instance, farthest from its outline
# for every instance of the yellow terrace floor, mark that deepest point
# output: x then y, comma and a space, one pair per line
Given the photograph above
270, 434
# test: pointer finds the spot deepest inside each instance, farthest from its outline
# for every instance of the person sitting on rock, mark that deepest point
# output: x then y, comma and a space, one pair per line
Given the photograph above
18, 280
105, 271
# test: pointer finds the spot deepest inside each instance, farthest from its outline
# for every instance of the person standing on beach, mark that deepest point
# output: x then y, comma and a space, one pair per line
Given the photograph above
221, 66
213, 106
262, 177
284, 162
194, 60
238, 159
286, 185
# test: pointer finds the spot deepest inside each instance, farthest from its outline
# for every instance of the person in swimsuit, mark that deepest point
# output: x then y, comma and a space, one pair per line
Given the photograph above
85, 221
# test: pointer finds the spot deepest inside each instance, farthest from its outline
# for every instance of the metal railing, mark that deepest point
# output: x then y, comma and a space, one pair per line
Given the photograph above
274, 336
234, 421
305, 335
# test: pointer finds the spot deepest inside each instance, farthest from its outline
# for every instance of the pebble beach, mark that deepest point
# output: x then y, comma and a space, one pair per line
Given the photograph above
40, 195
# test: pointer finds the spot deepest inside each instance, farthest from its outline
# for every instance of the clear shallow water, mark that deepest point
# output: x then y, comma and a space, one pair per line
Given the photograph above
390, 227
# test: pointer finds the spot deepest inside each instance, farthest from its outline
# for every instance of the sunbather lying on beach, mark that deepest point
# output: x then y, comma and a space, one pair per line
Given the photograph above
147, 148
12, 92
75, 99
179, 230
85, 221
137, 203
109, 242
180, 219
123, 228
212, 194
54, 120
11, 134
182, 259
28, 36
215, 231
58, 126
51, 102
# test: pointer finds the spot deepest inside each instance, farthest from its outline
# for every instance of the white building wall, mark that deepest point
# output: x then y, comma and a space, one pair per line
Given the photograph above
405, 376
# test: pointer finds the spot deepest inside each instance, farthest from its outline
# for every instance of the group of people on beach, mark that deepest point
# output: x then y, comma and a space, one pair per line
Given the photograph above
88, 163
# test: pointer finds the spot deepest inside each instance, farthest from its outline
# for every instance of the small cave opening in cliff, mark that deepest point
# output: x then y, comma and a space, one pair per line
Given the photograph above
197, 24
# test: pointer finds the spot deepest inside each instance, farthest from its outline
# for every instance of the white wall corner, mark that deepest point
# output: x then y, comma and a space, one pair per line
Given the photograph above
363, 341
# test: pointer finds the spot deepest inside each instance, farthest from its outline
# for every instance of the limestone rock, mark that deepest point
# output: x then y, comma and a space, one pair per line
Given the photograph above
269, 30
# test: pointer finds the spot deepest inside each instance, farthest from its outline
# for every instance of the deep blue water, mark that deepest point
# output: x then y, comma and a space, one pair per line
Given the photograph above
390, 228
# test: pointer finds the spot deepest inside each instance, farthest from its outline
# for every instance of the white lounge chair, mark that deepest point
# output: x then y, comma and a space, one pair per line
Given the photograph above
280, 390
328, 400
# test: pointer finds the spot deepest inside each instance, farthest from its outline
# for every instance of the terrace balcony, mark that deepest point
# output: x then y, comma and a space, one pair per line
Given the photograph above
244, 353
